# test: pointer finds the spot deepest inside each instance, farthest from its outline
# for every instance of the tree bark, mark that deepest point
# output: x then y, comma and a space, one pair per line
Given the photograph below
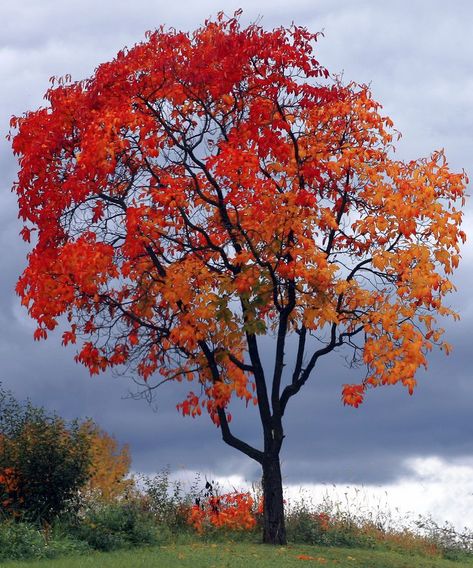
274, 528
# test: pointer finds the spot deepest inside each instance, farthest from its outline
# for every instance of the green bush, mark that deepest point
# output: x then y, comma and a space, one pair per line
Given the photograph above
302, 527
119, 525
43, 461
305, 526
22, 541
166, 501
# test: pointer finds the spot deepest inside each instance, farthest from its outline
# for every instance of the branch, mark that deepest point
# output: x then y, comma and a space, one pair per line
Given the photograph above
296, 385
340, 213
260, 381
236, 443
240, 364
300, 354
227, 436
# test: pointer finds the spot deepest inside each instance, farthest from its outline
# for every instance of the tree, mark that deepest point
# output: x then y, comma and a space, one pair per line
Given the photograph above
43, 461
202, 190
109, 464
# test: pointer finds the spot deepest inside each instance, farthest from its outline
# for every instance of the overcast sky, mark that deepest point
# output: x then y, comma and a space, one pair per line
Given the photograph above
417, 56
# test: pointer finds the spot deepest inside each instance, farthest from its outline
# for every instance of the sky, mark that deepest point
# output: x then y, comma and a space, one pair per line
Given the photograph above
417, 57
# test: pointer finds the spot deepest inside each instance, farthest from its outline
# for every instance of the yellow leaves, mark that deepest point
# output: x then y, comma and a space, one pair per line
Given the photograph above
315, 317
110, 464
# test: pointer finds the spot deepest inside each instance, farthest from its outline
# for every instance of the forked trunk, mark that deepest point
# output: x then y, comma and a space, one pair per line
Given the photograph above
274, 528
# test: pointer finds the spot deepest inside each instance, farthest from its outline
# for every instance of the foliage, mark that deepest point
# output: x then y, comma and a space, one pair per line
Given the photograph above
112, 526
110, 464
19, 540
43, 461
330, 525
454, 544
23, 541
166, 500
203, 189
141, 234
234, 511
356, 523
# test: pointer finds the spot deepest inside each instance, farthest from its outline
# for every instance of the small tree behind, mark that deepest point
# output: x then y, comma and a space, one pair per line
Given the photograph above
202, 190
43, 461
109, 464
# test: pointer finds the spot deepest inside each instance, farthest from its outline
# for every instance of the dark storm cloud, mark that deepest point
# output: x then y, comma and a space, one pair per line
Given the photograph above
417, 58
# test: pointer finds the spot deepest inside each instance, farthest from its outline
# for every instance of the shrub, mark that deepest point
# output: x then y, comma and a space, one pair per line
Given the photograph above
306, 527
166, 500
233, 511
117, 525
43, 461
22, 541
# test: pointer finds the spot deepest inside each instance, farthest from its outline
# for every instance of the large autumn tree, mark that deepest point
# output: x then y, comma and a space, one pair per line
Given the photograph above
203, 190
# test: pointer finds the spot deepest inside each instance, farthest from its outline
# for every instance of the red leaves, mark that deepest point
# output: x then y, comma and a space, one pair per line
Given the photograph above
69, 336
26, 234
190, 406
92, 358
352, 395
40, 333
233, 511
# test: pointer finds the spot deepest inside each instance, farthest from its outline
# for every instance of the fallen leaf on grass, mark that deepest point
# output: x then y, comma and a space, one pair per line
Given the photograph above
319, 559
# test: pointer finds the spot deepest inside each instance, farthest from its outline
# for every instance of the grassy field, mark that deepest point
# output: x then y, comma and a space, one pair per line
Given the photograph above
240, 555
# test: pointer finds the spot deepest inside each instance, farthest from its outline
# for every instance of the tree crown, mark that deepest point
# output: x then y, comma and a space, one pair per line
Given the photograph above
203, 189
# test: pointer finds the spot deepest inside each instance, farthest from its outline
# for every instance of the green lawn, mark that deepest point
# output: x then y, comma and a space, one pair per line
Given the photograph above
240, 555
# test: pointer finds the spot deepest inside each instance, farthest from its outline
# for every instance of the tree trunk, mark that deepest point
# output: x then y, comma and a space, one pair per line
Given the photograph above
274, 528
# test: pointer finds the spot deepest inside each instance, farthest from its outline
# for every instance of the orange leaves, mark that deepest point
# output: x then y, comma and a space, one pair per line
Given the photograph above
192, 190
395, 348
9, 488
233, 511
352, 395
318, 559
190, 406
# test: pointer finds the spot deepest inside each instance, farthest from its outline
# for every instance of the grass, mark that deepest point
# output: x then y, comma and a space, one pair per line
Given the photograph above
242, 555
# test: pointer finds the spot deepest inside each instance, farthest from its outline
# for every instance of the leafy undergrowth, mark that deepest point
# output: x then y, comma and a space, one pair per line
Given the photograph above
242, 555
164, 525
